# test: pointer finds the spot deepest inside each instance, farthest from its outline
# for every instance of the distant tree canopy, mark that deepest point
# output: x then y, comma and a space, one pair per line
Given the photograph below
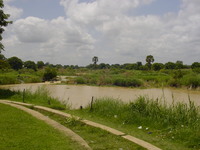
30, 65
2, 57
4, 64
40, 64
15, 63
157, 66
149, 60
195, 65
170, 65
3, 23
95, 60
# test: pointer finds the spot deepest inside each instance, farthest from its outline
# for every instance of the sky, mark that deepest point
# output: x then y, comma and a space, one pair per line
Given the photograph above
71, 32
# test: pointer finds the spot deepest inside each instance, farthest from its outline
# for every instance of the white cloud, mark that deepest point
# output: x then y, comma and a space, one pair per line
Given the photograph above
14, 12
106, 29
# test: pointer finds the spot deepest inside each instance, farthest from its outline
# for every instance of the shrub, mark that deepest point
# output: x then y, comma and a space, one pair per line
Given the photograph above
80, 80
49, 74
127, 82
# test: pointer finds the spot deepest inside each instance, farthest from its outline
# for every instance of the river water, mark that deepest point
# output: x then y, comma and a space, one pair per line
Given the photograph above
81, 95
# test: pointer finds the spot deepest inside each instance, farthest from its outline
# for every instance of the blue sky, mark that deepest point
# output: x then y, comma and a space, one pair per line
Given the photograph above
71, 32
47, 9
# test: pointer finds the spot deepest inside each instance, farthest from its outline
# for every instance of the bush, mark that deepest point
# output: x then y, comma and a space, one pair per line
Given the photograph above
127, 82
80, 80
49, 74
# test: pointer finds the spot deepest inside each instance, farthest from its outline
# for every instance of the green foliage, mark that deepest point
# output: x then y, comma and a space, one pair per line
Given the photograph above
157, 66
3, 22
166, 121
40, 64
49, 74
149, 60
30, 65
195, 65
15, 63
39, 97
127, 82
4, 64
170, 65
95, 60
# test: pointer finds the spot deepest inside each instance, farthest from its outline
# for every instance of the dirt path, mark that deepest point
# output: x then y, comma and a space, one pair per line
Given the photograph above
56, 125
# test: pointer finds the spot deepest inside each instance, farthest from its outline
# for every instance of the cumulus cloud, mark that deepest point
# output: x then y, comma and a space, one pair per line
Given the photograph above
106, 28
14, 12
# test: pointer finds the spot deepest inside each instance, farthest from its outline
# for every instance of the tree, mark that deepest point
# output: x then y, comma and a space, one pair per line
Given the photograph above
179, 64
149, 60
195, 65
3, 23
170, 65
49, 74
157, 66
4, 64
40, 64
2, 57
95, 60
15, 63
30, 65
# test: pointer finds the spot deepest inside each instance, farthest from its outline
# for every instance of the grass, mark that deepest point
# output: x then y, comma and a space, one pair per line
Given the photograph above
96, 138
166, 126
21, 76
39, 97
21, 131
136, 78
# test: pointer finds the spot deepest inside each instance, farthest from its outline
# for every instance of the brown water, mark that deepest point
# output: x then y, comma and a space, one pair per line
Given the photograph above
78, 95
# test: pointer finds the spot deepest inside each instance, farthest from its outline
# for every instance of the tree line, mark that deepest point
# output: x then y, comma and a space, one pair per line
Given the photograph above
16, 64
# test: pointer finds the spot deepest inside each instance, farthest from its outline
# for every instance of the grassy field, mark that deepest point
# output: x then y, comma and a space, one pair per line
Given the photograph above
169, 127
97, 139
21, 131
136, 78
110, 77
21, 76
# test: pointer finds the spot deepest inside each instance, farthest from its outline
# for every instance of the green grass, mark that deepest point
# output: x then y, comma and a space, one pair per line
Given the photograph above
39, 97
137, 78
23, 75
169, 127
95, 137
21, 131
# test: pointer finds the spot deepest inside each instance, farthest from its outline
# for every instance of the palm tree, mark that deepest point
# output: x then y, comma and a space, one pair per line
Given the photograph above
149, 60
95, 60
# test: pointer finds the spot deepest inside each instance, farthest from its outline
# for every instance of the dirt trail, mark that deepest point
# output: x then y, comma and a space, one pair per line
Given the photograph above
56, 125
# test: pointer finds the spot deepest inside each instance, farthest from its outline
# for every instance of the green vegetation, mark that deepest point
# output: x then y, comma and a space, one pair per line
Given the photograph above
49, 74
136, 78
154, 121
21, 131
20, 76
175, 126
96, 138
40, 97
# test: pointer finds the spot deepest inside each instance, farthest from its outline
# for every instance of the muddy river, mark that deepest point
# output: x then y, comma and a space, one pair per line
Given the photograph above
78, 95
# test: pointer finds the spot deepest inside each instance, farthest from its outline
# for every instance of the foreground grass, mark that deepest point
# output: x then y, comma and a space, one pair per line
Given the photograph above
21, 131
169, 127
96, 138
